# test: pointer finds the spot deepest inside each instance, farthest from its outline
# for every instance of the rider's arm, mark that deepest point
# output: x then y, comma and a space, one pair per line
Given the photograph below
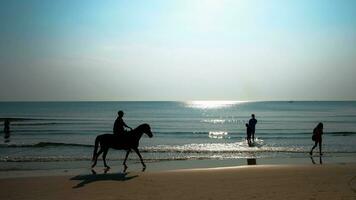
126, 125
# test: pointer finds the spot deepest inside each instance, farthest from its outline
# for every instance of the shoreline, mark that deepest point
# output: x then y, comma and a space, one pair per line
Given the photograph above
36, 169
331, 181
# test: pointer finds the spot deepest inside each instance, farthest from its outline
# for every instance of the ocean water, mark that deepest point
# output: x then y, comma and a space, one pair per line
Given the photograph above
50, 132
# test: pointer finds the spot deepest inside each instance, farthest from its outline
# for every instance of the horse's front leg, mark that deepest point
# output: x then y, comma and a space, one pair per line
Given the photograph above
139, 155
127, 155
104, 157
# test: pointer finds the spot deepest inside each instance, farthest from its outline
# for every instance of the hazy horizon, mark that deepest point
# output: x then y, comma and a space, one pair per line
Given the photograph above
177, 50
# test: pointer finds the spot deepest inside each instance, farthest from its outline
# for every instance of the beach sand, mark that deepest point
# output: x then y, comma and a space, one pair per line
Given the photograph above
334, 181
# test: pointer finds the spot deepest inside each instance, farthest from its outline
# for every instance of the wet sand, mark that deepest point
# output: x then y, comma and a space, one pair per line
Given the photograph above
334, 181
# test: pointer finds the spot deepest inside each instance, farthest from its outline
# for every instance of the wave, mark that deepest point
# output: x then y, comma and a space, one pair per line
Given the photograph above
194, 148
236, 147
178, 157
157, 148
55, 122
259, 133
89, 123
187, 148
21, 119
341, 133
18, 118
66, 159
46, 144
93, 127
63, 132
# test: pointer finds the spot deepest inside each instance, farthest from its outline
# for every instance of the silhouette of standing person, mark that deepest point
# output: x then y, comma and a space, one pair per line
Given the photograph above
252, 123
119, 125
6, 129
317, 138
248, 134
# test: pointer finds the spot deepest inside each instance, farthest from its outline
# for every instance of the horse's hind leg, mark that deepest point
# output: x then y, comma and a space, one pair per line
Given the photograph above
104, 157
127, 155
96, 157
139, 155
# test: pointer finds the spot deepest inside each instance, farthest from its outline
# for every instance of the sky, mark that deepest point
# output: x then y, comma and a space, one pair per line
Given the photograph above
89, 50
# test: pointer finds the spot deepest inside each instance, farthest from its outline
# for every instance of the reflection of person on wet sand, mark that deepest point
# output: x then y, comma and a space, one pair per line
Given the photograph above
320, 160
251, 161
317, 133
7, 128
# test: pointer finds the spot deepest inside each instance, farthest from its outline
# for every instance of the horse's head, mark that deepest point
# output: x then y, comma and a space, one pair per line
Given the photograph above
146, 129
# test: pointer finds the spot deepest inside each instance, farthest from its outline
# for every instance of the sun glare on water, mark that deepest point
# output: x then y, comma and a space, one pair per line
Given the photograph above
212, 104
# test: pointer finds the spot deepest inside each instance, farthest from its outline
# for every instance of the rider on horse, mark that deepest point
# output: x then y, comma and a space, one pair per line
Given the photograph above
120, 124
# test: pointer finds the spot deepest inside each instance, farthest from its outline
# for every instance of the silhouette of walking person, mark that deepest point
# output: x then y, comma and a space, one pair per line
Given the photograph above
119, 125
317, 138
252, 123
7, 130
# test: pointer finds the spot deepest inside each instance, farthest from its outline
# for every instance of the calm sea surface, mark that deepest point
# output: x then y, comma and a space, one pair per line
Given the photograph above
65, 131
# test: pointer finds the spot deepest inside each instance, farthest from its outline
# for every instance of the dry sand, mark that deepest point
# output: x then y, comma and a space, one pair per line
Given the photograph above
250, 182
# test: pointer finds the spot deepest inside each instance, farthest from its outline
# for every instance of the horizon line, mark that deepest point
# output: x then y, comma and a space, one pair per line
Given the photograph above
246, 101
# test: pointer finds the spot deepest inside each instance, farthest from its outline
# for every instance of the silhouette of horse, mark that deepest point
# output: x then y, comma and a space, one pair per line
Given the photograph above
125, 141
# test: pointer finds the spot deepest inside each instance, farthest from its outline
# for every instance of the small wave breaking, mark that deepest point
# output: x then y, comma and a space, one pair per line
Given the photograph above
45, 144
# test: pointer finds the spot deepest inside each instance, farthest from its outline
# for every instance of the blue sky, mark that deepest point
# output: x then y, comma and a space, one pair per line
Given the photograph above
178, 50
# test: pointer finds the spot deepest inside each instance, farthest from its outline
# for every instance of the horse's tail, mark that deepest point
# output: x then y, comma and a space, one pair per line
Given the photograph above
95, 147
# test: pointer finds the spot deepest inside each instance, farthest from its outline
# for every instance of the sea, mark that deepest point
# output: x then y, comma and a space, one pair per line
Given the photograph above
61, 135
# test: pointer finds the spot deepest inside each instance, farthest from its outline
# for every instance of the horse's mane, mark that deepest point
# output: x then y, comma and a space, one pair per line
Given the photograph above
141, 126
139, 129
